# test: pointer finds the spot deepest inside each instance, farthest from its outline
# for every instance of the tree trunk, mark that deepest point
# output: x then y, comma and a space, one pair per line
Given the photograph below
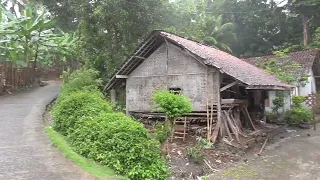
306, 31
35, 58
26, 49
37, 51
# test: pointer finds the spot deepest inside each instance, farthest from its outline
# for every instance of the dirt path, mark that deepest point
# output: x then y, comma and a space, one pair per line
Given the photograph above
25, 149
294, 157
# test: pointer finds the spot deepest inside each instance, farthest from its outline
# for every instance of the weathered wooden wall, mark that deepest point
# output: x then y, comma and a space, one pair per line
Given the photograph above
15, 78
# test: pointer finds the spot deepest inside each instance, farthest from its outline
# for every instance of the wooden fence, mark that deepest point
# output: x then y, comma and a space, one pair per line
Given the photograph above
15, 78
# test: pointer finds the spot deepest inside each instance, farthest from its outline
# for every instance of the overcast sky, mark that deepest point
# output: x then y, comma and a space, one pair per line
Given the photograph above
282, 2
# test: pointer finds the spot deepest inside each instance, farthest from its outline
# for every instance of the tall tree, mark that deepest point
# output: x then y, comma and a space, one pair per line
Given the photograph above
308, 10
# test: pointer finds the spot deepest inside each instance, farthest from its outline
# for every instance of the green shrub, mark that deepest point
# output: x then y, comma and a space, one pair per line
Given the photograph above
297, 101
75, 106
82, 79
298, 115
121, 143
161, 131
195, 154
204, 143
278, 102
174, 105
271, 117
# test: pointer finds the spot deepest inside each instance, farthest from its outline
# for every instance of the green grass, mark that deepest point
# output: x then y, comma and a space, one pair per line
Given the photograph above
99, 171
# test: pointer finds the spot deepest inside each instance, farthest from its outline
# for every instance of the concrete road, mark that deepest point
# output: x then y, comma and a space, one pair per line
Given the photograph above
25, 149
294, 157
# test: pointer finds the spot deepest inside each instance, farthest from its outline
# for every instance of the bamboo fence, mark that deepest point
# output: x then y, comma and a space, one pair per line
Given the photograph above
15, 78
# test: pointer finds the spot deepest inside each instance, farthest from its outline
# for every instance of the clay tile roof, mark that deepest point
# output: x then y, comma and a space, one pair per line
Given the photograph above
252, 76
304, 58
247, 73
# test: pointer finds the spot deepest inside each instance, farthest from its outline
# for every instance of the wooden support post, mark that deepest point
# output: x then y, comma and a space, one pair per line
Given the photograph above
218, 124
207, 98
184, 128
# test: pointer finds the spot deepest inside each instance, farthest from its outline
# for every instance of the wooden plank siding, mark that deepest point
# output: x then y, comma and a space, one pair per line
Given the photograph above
15, 78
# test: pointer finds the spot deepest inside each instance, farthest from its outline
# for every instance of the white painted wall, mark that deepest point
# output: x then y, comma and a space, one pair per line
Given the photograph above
272, 96
309, 88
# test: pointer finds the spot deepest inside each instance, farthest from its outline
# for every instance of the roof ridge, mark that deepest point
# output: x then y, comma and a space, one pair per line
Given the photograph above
316, 50
190, 39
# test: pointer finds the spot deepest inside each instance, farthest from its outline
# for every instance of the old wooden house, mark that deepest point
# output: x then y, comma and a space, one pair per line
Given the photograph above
215, 81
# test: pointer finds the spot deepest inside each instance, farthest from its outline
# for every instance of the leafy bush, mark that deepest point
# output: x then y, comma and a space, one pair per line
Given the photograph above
195, 154
297, 101
121, 143
278, 102
174, 105
161, 131
271, 117
82, 79
298, 115
204, 143
70, 109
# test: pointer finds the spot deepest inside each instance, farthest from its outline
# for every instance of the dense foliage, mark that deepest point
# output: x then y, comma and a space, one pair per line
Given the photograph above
161, 131
32, 38
298, 113
81, 79
110, 30
87, 120
71, 108
121, 143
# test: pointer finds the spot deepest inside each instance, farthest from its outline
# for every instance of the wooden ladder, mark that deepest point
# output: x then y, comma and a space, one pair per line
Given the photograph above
179, 128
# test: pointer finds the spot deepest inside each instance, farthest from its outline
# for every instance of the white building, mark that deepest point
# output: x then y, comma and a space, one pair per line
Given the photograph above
309, 61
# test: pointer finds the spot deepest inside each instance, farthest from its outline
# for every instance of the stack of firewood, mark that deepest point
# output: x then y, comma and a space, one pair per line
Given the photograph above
230, 126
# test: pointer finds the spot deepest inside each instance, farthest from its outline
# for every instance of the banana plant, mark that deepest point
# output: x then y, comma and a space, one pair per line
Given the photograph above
30, 38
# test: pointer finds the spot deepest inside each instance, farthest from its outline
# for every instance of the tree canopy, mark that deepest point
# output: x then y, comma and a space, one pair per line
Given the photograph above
110, 29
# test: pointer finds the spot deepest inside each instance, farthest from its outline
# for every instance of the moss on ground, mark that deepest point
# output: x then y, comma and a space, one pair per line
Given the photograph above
241, 172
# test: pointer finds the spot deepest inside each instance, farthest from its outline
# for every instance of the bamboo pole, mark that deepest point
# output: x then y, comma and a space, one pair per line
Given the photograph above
207, 94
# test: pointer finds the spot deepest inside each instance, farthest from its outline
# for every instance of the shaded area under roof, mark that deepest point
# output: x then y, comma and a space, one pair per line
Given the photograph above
248, 74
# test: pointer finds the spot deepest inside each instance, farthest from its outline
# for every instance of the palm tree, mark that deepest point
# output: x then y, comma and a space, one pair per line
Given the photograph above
219, 34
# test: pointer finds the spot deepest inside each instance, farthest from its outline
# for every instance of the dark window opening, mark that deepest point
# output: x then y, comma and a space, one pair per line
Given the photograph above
175, 90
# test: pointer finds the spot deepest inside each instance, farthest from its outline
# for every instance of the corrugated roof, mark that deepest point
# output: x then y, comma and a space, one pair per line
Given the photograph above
252, 76
304, 58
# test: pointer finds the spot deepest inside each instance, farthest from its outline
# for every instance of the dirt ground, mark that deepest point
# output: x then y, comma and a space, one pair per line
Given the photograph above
292, 155
212, 159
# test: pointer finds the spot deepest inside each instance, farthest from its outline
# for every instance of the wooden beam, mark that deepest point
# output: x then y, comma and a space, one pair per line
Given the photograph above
138, 57
229, 85
246, 113
121, 77
110, 83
